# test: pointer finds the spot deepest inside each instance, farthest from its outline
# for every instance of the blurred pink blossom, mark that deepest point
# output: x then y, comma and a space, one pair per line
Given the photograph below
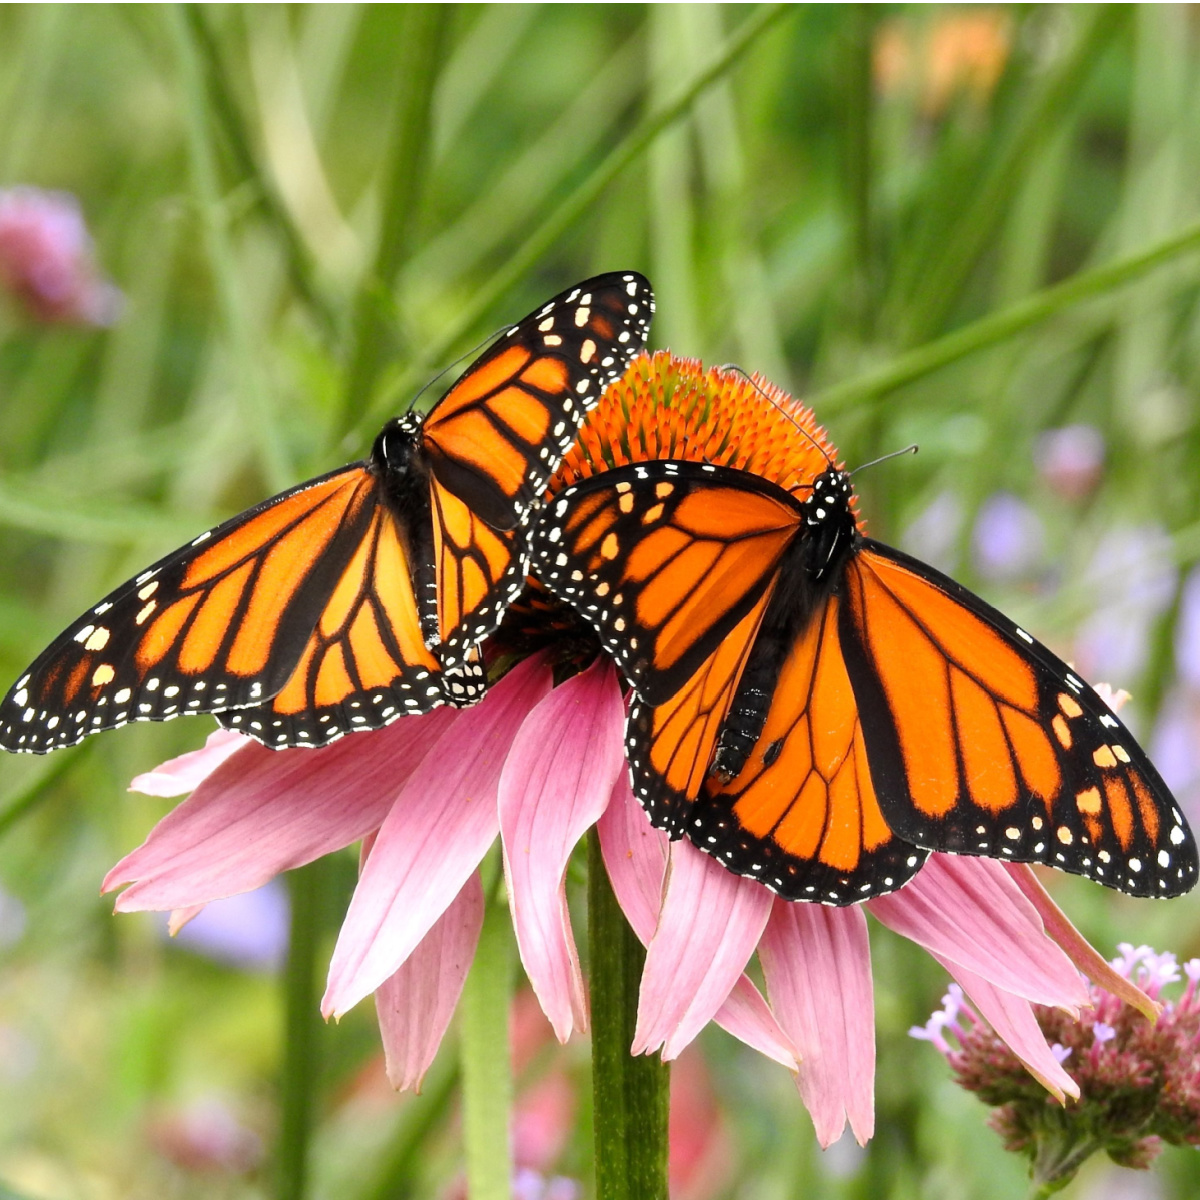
47, 259
1070, 460
206, 1136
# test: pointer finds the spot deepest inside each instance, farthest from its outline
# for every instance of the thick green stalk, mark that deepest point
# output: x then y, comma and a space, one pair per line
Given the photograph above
988, 203
486, 1067
418, 59
549, 229
244, 350
999, 326
630, 1096
301, 1066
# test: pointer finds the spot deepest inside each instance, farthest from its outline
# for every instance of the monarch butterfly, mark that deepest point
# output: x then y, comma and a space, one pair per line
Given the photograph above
359, 596
820, 711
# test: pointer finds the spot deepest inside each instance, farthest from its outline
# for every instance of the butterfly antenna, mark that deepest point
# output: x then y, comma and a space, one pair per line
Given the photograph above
876, 461
771, 400
450, 366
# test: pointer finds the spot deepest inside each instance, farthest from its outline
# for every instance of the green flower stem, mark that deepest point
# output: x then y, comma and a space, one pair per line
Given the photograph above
245, 352
989, 201
227, 114
572, 207
39, 784
486, 1067
630, 1096
396, 1177
302, 1031
991, 330
420, 55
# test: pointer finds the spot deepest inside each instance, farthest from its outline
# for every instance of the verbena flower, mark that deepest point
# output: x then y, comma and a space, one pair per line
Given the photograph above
539, 765
1136, 1080
47, 262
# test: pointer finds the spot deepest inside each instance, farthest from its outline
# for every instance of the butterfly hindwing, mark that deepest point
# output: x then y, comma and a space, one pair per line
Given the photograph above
366, 662
219, 623
982, 741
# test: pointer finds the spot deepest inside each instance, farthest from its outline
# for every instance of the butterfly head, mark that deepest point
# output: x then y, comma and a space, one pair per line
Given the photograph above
829, 523
396, 444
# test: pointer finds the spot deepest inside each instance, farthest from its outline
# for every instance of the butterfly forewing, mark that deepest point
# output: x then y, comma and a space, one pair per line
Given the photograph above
664, 559
500, 432
219, 623
982, 741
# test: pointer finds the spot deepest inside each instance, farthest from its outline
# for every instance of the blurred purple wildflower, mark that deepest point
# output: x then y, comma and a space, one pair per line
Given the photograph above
47, 261
249, 930
1133, 574
933, 534
1139, 1083
1070, 460
1008, 542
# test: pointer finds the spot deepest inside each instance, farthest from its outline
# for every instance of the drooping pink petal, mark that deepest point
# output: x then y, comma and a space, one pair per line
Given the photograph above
710, 923
817, 964
433, 838
1076, 947
178, 776
635, 856
970, 911
264, 811
556, 782
1013, 1019
181, 916
415, 1004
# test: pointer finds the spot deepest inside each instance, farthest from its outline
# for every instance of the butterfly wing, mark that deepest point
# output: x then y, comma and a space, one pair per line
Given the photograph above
802, 816
675, 564
981, 741
499, 434
220, 622
365, 662
666, 560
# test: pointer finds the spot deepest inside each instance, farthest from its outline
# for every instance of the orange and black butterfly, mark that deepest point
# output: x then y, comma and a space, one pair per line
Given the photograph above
820, 711
360, 596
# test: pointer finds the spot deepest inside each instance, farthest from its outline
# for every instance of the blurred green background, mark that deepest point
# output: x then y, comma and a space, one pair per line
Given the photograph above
310, 209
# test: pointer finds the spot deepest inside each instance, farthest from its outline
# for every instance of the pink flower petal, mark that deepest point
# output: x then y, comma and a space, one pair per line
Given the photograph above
435, 835
1012, 1018
1076, 946
969, 911
817, 964
181, 916
264, 811
710, 923
416, 1003
555, 784
178, 776
635, 856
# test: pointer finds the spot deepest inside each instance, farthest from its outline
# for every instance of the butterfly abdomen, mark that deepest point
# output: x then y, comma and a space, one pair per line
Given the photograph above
399, 460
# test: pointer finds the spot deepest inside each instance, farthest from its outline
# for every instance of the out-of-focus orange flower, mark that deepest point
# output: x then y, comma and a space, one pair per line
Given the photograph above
956, 52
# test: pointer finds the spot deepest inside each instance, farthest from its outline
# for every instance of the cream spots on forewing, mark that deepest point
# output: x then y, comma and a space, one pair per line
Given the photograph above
1069, 705
103, 674
1088, 801
145, 611
148, 591
1104, 757
587, 351
97, 640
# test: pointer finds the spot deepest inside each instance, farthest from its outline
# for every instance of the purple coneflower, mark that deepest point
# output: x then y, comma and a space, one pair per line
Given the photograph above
539, 765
